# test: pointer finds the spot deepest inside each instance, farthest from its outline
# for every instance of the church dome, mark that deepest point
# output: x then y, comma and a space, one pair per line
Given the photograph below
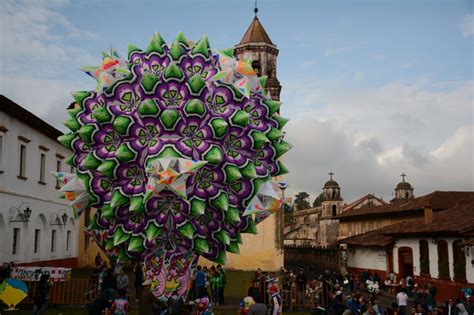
331, 184
404, 185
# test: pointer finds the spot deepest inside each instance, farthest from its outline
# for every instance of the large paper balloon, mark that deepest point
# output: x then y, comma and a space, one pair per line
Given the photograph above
12, 292
172, 154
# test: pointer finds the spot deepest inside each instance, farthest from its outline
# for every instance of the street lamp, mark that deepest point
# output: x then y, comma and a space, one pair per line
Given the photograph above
63, 217
21, 215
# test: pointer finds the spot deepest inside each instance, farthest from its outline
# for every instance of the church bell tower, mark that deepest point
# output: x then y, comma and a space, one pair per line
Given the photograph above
257, 46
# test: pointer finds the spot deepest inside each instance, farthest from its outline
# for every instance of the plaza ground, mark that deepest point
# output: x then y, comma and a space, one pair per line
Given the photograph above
237, 285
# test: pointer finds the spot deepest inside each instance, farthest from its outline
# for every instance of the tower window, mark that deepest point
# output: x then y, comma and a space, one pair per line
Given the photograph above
334, 210
257, 67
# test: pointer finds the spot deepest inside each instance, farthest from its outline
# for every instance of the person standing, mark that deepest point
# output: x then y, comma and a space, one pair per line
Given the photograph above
276, 299
98, 260
450, 308
41, 295
301, 285
109, 285
199, 282
122, 281
138, 270
214, 280
402, 299
120, 306
461, 308
224, 281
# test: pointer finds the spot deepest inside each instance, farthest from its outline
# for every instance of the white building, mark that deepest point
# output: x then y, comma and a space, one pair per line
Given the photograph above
436, 249
36, 226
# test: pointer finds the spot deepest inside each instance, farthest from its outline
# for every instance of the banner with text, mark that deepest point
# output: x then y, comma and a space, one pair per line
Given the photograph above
34, 273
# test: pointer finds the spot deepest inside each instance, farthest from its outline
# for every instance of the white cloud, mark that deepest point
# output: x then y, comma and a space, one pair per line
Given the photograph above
34, 38
36, 57
390, 155
466, 25
455, 143
369, 136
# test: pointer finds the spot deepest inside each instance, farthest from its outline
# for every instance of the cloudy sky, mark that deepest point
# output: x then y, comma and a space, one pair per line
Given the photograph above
374, 88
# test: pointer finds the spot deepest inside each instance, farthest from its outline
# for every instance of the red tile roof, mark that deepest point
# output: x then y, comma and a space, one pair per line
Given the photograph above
361, 199
372, 239
256, 33
455, 221
439, 200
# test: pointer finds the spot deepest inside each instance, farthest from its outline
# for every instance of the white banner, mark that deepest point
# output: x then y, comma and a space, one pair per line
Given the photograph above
34, 273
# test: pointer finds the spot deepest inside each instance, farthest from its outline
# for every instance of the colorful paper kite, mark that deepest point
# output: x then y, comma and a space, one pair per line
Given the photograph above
12, 292
172, 155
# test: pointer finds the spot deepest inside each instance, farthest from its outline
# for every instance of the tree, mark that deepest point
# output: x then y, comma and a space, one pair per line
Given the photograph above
301, 201
317, 201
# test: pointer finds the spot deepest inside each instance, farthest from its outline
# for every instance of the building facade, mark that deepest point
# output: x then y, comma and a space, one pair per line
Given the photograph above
320, 226
360, 220
435, 248
36, 226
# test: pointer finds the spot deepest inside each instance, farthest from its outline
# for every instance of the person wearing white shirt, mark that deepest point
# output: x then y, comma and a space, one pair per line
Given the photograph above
402, 299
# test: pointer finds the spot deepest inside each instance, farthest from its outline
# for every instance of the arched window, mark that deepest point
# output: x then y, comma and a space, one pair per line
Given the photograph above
443, 259
407, 194
459, 261
334, 210
257, 67
424, 258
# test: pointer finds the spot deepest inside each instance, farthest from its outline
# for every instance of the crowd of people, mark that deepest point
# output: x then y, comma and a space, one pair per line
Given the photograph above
110, 292
363, 293
350, 294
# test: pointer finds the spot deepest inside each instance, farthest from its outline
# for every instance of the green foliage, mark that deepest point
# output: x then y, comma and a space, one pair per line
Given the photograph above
318, 200
301, 201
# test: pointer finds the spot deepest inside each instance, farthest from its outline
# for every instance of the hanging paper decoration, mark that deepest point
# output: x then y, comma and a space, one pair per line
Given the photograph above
170, 173
171, 157
112, 69
74, 191
268, 200
240, 74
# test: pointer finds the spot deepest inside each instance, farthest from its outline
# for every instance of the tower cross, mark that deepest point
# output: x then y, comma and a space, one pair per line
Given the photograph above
403, 177
330, 174
256, 8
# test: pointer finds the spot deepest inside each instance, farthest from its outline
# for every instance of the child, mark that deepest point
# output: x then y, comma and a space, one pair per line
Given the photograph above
120, 305
276, 299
